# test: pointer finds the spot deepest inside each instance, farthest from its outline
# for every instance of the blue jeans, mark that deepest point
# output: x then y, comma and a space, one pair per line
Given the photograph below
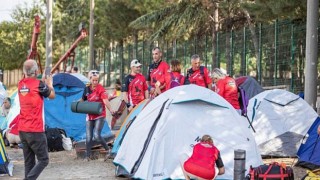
93, 129
34, 145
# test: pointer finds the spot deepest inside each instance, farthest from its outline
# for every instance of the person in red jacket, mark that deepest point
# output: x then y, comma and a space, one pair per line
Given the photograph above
226, 87
12, 133
156, 72
198, 74
134, 88
204, 160
31, 92
95, 92
174, 78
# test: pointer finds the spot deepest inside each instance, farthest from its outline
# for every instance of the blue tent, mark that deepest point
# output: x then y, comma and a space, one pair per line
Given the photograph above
308, 153
58, 112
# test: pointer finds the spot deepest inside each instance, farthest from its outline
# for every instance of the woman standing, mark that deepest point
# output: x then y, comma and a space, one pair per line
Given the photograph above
95, 92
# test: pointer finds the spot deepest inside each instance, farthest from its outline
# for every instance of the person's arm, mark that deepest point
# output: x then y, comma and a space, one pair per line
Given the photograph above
220, 165
108, 105
48, 81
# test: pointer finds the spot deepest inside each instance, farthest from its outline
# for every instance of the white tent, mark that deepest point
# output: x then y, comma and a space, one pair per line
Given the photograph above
172, 123
280, 119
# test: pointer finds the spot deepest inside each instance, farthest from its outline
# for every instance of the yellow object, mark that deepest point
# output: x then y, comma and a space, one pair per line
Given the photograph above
313, 175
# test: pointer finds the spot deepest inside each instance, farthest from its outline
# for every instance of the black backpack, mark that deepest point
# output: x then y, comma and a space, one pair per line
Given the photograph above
54, 139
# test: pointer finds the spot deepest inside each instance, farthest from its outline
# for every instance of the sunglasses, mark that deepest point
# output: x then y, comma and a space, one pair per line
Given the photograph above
136, 62
94, 72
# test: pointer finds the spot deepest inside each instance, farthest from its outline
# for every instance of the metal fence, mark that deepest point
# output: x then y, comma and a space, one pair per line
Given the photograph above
277, 58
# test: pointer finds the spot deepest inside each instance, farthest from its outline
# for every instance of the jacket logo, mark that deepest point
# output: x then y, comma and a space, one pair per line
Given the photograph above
24, 90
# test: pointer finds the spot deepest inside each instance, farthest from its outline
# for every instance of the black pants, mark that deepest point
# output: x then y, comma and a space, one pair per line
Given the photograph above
93, 129
34, 145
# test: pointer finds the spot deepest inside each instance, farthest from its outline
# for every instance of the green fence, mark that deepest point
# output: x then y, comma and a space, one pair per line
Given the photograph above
276, 56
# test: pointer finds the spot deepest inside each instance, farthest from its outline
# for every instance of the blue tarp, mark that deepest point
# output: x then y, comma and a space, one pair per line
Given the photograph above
308, 153
58, 110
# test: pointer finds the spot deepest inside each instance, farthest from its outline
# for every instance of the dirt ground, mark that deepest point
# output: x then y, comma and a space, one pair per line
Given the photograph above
65, 165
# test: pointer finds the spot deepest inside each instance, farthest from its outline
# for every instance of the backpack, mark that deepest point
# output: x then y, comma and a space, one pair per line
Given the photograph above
273, 171
243, 101
54, 139
190, 72
175, 81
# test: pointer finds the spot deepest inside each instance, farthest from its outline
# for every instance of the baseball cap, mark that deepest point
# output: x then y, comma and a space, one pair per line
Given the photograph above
135, 63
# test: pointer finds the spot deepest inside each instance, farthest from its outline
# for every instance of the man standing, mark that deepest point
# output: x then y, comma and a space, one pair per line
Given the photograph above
197, 74
156, 72
135, 87
31, 92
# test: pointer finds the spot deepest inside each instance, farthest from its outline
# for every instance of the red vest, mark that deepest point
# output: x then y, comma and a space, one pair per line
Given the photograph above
202, 161
31, 106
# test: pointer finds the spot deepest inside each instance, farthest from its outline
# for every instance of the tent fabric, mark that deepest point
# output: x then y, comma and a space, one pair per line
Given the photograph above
308, 153
128, 120
67, 80
168, 127
274, 113
250, 85
58, 112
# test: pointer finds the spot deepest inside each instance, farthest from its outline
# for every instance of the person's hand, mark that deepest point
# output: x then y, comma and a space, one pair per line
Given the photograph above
130, 108
112, 112
48, 80
152, 90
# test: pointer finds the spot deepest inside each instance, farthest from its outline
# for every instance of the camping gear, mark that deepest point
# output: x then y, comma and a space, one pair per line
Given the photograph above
239, 164
271, 171
168, 127
281, 119
58, 112
54, 139
6, 166
117, 114
86, 107
312, 175
250, 86
121, 113
125, 125
308, 153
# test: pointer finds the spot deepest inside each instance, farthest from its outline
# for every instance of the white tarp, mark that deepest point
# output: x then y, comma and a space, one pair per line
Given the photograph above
190, 112
280, 119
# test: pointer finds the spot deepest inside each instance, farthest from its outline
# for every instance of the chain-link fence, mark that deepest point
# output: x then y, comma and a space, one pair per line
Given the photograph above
274, 54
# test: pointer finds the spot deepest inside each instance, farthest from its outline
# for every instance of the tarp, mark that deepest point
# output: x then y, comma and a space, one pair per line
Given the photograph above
309, 151
58, 110
280, 119
168, 127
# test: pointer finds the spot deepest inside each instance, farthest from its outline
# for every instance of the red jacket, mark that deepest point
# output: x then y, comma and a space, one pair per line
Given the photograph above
199, 79
158, 74
202, 161
31, 92
228, 89
135, 86
96, 95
